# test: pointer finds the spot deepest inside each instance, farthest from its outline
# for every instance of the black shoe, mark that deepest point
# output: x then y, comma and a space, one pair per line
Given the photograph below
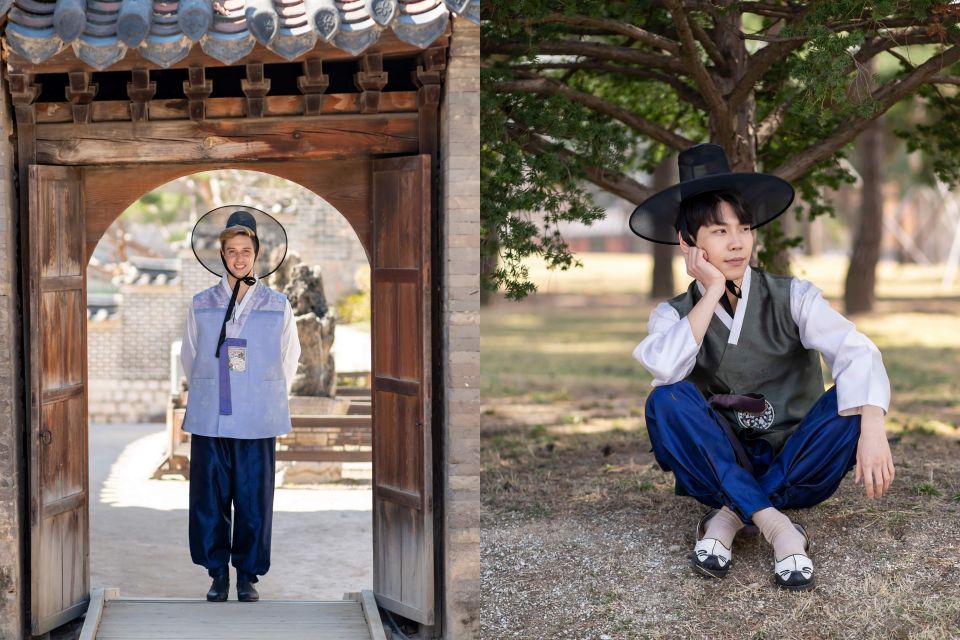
710, 558
795, 573
219, 589
246, 592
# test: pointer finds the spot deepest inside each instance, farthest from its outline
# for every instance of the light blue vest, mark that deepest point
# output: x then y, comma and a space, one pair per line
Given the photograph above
258, 406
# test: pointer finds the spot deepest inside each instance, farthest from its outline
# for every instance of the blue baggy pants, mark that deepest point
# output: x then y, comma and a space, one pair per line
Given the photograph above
237, 472
688, 439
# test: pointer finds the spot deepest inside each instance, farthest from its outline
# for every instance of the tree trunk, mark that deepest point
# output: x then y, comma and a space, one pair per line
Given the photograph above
488, 263
663, 286
861, 280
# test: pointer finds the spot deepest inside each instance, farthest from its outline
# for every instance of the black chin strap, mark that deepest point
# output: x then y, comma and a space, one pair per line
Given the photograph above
249, 281
734, 289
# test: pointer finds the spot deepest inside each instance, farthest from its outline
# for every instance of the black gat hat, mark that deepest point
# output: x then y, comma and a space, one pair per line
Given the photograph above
703, 168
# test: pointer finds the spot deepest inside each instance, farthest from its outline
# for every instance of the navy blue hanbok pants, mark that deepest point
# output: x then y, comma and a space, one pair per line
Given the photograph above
227, 472
688, 439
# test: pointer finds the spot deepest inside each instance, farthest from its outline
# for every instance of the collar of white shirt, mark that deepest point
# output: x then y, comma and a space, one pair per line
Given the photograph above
735, 323
225, 283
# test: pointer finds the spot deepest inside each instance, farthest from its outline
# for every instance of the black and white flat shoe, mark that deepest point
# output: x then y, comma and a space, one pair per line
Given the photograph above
710, 557
795, 572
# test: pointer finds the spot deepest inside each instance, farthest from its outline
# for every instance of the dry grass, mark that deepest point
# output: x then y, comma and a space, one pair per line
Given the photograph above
583, 537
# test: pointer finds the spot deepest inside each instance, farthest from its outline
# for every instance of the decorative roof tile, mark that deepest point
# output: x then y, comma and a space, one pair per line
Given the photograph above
164, 31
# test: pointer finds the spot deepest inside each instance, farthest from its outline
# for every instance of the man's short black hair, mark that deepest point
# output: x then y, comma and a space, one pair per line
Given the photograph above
704, 209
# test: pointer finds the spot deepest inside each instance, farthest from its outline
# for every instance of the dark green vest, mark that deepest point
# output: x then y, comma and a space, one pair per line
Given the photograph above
768, 358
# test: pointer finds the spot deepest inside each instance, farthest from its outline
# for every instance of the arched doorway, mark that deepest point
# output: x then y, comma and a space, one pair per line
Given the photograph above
144, 267
387, 201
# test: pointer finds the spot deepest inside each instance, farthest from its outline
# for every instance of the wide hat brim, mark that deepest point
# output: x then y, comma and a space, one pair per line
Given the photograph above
205, 240
767, 197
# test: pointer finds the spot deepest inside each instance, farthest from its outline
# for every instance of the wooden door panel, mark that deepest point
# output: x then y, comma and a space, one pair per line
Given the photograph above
56, 262
403, 574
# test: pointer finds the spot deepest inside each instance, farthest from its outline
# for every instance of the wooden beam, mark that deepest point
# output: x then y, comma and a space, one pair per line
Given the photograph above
345, 184
388, 45
309, 138
215, 108
98, 599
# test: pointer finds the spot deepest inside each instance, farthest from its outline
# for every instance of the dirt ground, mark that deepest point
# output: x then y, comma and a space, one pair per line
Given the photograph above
322, 544
583, 537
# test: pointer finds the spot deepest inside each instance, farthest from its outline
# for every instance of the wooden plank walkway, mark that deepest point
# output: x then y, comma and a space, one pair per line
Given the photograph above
111, 617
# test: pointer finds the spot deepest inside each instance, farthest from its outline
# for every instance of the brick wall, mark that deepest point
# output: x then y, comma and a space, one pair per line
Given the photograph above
129, 355
460, 229
12, 472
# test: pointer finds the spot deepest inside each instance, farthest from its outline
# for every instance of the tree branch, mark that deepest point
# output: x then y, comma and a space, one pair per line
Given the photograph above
708, 44
761, 61
886, 96
649, 38
891, 39
944, 80
688, 51
550, 86
766, 9
589, 50
615, 182
771, 123
684, 91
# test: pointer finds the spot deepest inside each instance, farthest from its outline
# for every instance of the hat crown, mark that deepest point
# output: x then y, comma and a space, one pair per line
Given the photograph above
242, 219
702, 160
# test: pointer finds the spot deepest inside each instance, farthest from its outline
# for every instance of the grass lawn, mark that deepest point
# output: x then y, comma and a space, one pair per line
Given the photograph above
583, 537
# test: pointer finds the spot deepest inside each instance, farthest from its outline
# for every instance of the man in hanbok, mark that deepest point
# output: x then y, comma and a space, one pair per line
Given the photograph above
738, 412
239, 353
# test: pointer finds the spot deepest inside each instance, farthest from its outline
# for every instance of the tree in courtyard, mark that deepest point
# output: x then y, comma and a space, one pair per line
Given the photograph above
598, 92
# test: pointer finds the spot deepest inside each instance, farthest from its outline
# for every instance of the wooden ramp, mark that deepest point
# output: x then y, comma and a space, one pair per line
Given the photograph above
111, 617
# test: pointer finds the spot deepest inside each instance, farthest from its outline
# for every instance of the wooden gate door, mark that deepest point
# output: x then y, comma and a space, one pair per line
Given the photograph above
403, 562
60, 536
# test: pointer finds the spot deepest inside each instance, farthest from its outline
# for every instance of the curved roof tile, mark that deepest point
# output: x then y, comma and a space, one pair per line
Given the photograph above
164, 31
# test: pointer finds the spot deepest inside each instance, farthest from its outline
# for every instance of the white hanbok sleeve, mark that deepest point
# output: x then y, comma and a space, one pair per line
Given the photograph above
289, 346
854, 361
670, 351
188, 345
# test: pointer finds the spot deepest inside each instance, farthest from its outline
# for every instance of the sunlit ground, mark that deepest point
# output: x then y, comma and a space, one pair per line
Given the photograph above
574, 338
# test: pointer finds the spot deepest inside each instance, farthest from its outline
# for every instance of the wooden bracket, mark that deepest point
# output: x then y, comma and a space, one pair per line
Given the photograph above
428, 78
80, 93
24, 93
370, 79
197, 89
140, 92
255, 86
313, 83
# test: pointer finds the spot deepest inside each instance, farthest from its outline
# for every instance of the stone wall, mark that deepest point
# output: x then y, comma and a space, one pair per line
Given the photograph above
460, 239
12, 478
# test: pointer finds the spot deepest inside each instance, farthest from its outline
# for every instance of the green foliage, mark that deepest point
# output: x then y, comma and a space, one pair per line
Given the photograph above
157, 207
354, 307
537, 150
515, 183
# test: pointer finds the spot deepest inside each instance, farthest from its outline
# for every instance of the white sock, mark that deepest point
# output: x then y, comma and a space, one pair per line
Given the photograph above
723, 526
779, 532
